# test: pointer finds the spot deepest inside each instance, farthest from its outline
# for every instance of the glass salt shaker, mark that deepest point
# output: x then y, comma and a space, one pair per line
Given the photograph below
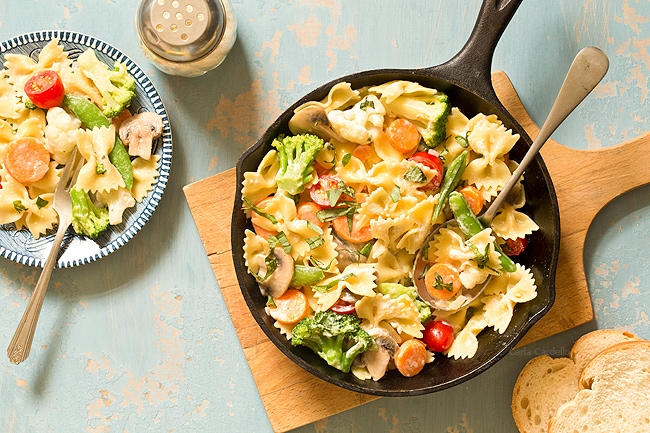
186, 37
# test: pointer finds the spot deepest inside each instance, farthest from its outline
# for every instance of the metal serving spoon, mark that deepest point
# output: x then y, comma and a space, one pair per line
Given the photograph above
587, 69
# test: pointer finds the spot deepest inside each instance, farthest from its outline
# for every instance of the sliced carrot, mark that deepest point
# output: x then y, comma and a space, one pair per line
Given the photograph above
259, 221
261, 231
290, 308
411, 357
27, 160
442, 281
473, 197
359, 234
362, 152
307, 211
403, 135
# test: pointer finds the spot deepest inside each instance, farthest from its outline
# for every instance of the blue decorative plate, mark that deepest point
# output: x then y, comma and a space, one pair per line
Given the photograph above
19, 245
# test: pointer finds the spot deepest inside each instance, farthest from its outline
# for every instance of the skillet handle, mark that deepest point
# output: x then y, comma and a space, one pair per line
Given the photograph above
471, 68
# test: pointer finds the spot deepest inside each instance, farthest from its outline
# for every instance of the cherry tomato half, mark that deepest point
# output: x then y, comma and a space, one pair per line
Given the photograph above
45, 89
514, 247
438, 335
343, 307
434, 163
318, 191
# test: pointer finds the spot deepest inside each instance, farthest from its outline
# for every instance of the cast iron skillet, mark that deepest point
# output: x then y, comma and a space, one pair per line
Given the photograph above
466, 78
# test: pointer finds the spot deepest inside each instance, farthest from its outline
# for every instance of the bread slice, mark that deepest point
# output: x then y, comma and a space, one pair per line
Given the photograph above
546, 383
543, 385
614, 395
589, 345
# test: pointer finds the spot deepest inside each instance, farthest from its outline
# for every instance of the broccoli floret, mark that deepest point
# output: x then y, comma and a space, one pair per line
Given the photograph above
337, 338
297, 154
116, 86
395, 290
87, 219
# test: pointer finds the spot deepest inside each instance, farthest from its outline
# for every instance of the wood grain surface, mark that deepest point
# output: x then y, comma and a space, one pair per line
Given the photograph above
582, 190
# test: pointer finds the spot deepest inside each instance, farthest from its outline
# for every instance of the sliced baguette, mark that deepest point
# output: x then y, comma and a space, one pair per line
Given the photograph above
614, 393
546, 383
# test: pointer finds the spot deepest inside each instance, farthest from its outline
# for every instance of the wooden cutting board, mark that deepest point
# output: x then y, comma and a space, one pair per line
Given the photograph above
585, 181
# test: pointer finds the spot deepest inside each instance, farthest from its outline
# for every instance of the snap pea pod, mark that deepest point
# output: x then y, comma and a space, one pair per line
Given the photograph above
470, 226
449, 182
306, 276
91, 116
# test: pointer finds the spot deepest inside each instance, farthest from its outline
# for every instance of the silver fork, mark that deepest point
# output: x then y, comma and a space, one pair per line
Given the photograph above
21, 343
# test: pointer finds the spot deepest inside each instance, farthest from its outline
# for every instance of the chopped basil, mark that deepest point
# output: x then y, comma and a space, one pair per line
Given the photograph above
314, 228
327, 287
348, 208
99, 168
271, 265
333, 195
19, 206
315, 242
439, 284
415, 174
346, 159
258, 211
365, 251
41, 203
463, 141
395, 194
424, 271
281, 239
366, 103
479, 258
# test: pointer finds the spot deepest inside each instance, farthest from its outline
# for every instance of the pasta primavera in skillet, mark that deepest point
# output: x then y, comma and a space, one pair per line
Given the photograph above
340, 209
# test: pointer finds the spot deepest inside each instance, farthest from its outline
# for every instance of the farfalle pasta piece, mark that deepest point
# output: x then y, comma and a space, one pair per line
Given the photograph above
46, 184
490, 140
261, 183
340, 96
145, 173
10, 103
465, 343
39, 219
502, 294
32, 124
16, 206
512, 224
392, 267
401, 313
456, 127
254, 247
98, 174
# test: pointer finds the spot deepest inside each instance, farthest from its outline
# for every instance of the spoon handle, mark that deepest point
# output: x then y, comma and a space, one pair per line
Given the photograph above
588, 68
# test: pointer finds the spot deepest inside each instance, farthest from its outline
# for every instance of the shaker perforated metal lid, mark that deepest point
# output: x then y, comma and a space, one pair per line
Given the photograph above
180, 30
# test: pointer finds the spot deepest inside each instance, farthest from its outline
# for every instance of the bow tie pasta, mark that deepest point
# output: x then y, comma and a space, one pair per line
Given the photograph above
354, 243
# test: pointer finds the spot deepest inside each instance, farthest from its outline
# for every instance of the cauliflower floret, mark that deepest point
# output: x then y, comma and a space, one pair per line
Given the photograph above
117, 200
60, 133
361, 123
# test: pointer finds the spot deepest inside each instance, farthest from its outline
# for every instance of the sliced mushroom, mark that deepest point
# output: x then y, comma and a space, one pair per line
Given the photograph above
139, 131
348, 253
278, 282
313, 120
377, 361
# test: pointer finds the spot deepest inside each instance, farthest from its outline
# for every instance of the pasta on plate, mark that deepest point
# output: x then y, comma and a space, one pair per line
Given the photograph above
28, 205
375, 173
